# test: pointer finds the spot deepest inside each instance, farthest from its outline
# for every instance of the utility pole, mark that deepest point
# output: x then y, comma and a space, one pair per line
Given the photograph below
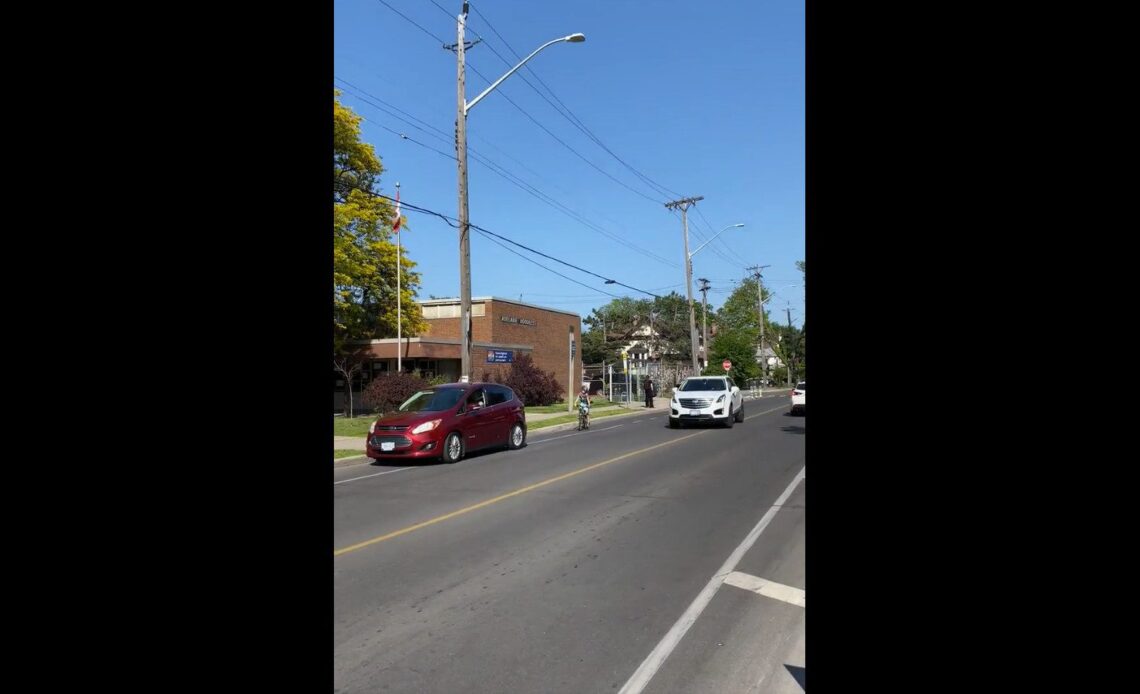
760, 311
464, 106
704, 289
399, 297
684, 205
791, 347
464, 230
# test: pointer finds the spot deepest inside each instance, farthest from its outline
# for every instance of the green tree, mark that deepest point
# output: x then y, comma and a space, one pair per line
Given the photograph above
740, 314
625, 321
790, 348
735, 346
364, 251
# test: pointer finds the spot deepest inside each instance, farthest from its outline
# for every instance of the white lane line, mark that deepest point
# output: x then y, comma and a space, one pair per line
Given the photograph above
364, 477
566, 436
656, 658
769, 589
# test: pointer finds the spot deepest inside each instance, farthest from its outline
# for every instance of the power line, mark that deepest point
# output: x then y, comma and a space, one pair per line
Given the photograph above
385, 109
405, 137
712, 245
441, 41
565, 110
404, 204
701, 237
443, 9
560, 140
393, 107
712, 230
531, 260
502, 171
535, 192
588, 272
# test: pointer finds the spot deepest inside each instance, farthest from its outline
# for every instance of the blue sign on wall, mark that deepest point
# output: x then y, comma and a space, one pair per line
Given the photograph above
500, 356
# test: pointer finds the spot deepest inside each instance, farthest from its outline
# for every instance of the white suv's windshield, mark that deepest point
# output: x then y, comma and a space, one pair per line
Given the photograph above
704, 384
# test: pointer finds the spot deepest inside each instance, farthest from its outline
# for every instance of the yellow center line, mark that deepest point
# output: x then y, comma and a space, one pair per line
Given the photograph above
523, 490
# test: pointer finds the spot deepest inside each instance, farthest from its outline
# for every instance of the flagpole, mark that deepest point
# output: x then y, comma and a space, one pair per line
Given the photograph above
399, 333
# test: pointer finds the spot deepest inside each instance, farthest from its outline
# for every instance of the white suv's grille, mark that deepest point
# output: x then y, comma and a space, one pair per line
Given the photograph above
695, 403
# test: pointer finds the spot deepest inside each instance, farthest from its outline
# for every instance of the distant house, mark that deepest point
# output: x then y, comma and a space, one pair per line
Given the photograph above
768, 354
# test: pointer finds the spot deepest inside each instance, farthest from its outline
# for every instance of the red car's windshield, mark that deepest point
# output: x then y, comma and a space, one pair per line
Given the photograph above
432, 400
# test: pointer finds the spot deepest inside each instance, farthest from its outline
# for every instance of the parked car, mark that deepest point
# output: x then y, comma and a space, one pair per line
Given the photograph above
706, 399
799, 399
449, 421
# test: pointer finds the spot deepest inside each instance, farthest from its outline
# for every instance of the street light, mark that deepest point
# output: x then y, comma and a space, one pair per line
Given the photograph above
464, 107
689, 290
774, 293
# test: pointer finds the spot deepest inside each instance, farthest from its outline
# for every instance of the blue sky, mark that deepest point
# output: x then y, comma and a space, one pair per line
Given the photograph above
702, 98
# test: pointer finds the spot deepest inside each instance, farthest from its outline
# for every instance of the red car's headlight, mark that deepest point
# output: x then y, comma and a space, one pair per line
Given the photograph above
426, 426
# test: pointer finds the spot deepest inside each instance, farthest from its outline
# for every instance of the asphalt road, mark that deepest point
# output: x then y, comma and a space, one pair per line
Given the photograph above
630, 557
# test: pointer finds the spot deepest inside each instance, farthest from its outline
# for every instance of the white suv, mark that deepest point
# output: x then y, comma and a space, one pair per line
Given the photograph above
799, 399
706, 399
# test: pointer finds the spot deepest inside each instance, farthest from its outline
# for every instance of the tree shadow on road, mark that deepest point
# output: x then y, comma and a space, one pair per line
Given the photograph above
793, 429
798, 674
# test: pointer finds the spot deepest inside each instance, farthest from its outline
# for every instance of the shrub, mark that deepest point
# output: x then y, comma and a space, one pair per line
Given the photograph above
531, 385
388, 392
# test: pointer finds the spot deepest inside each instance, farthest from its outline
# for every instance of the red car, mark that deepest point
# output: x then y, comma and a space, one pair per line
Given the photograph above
448, 421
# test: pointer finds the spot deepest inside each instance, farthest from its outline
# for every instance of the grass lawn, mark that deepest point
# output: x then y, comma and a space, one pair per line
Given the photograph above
531, 426
357, 426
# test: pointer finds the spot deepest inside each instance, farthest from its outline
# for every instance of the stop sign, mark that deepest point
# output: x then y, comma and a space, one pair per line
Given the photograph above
726, 364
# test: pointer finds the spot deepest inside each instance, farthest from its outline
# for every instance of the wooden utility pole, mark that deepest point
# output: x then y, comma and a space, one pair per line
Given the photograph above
684, 205
704, 288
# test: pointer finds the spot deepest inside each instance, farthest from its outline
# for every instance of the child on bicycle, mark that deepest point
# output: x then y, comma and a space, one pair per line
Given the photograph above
584, 407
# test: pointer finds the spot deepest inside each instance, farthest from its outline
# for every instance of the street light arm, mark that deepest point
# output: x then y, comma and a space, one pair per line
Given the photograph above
471, 104
775, 293
730, 226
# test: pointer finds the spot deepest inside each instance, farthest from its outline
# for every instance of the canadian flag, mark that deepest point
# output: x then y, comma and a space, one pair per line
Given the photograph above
396, 224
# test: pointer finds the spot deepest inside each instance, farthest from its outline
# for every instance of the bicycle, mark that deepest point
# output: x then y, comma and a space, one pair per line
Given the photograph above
583, 417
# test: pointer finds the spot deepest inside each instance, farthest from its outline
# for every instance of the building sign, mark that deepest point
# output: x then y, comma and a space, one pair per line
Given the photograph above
500, 356
518, 321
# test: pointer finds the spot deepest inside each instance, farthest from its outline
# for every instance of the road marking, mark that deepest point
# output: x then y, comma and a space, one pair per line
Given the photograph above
656, 658
508, 495
566, 436
364, 477
769, 589
760, 414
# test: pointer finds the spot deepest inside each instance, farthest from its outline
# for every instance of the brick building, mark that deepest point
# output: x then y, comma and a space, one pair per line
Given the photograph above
500, 329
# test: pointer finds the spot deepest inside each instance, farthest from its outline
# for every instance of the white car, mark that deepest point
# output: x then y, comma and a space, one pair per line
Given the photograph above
706, 399
799, 399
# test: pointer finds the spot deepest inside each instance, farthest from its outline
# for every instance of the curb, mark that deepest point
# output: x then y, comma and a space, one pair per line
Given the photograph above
574, 425
350, 460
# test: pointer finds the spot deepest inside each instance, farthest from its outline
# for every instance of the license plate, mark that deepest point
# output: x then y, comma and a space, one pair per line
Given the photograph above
387, 446
694, 411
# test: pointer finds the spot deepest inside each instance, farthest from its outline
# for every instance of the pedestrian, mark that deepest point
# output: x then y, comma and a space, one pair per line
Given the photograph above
649, 392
